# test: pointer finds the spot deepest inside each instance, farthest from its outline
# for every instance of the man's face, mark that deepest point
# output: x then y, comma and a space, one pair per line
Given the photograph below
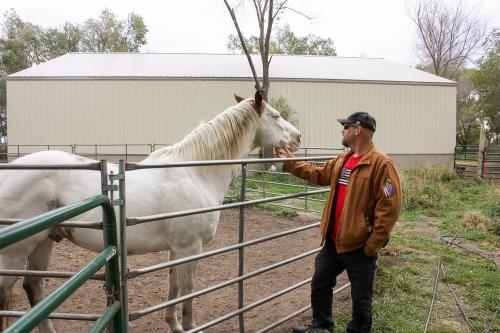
349, 135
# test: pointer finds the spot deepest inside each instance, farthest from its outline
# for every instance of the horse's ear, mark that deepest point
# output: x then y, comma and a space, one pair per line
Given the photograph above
258, 102
238, 98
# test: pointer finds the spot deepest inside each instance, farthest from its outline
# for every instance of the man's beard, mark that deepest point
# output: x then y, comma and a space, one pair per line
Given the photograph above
345, 143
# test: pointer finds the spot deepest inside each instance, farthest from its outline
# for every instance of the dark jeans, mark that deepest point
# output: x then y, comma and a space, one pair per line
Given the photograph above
361, 272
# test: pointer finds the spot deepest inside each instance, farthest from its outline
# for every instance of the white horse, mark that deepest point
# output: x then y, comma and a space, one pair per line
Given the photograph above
230, 135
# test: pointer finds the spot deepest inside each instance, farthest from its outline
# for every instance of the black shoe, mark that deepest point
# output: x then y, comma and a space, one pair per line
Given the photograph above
310, 329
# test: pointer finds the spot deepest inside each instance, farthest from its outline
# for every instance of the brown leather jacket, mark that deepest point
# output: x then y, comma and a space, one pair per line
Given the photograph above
372, 203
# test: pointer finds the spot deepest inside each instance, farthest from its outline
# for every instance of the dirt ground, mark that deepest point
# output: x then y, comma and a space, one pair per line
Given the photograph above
151, 289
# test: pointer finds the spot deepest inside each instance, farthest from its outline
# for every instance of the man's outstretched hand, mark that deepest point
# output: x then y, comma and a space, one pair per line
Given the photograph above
283, 153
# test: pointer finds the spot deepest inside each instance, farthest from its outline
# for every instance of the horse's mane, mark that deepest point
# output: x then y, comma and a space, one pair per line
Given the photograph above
221, 138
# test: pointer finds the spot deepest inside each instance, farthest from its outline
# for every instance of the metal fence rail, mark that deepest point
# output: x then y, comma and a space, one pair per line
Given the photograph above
471, 161
140, 271
90, 150
113, 310
265, 183
298, 312
241, 278
122, 151
240, 246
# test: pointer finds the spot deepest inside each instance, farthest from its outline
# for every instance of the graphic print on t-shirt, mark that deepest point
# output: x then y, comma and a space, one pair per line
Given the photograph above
344, 176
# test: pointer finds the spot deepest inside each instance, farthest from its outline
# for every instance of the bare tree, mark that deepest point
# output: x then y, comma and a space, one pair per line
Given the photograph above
448, 35
267, 12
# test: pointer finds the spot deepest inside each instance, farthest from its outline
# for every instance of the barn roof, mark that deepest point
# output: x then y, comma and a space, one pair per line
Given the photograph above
121, 66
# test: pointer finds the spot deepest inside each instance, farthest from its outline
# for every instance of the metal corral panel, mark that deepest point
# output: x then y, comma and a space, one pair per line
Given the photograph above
411, 119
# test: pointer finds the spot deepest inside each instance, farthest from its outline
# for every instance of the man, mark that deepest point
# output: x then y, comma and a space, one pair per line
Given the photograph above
361, 209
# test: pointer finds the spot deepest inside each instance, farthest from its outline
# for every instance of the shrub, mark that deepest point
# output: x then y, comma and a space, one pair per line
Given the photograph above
491, 209
476, 220
447, 175
424, 188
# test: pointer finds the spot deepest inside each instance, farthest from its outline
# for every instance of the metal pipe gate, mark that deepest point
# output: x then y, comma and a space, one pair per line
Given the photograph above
242, 308
24, 229
125, 316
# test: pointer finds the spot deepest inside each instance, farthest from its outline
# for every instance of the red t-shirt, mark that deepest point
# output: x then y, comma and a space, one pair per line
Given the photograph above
342, 183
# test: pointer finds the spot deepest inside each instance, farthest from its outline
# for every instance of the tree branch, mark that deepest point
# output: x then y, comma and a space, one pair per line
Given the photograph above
298, 12
243, 45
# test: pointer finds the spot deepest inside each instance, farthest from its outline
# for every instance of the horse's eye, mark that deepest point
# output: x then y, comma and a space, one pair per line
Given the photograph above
276, 116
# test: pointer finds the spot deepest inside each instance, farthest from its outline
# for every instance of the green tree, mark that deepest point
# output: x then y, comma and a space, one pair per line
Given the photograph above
286, 110
24, 44
468, 111
108, 34
286, 42
486, 79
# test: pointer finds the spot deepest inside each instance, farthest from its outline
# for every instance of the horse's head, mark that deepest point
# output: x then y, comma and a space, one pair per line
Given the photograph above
273, 130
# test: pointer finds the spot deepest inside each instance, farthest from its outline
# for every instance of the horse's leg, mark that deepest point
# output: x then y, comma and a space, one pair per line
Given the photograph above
5, 304
186, 281
8, 261
173, 292
186, 276
34, 286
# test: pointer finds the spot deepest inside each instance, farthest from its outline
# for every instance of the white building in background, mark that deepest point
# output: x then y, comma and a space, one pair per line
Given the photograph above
118, 98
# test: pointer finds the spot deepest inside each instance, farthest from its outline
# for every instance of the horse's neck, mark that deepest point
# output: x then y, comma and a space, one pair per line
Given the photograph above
222, 176
219, 177
228, 136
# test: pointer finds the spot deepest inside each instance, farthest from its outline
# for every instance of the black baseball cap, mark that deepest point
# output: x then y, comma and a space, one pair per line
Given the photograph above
362, 119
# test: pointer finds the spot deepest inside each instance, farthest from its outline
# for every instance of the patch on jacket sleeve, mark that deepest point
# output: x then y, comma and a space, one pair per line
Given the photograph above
388, 187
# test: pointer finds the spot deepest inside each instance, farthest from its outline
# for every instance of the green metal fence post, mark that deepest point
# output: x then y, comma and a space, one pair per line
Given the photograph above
112, 267
455, 159
105, 191
483, 163
105, 318
110, 239
26, 228
123, 245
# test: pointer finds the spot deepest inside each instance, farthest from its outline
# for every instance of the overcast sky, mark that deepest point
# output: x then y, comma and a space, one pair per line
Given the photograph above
370, 28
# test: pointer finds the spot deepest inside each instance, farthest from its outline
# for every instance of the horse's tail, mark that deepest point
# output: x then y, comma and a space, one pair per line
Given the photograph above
5, 305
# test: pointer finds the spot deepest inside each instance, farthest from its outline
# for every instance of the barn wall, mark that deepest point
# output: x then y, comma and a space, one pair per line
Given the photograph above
412, 119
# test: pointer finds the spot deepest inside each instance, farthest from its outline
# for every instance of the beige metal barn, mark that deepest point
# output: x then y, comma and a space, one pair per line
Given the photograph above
117, 98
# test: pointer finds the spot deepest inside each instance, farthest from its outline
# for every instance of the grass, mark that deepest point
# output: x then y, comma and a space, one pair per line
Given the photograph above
403, 293
440, 198
435, 202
